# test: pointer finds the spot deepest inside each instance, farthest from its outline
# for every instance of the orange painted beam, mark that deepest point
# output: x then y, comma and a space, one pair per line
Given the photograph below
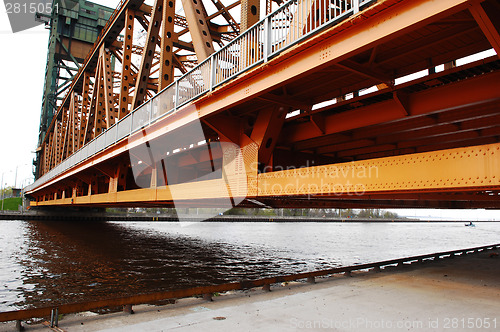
460, 132
475, 91
486, 20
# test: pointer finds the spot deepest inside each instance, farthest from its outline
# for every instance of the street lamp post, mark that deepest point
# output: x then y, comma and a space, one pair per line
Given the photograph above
23, 185
1, 184
15, 177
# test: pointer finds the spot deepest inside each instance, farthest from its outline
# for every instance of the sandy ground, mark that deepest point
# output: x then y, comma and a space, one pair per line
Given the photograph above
459, 294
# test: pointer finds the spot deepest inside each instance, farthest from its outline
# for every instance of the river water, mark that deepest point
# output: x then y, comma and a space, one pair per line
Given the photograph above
44, 263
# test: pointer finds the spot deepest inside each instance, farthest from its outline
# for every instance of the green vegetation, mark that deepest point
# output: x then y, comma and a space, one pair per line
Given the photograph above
6, 192
266, 212
318, 213
376, 213
11, 204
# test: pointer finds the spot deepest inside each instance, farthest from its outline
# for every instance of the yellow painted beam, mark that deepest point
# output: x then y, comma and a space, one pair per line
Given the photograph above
459, 169
136, 195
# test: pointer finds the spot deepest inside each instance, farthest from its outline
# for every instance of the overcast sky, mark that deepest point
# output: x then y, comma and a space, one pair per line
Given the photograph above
22, 69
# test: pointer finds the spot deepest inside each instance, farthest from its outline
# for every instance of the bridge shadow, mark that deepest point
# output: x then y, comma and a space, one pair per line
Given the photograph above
67, 262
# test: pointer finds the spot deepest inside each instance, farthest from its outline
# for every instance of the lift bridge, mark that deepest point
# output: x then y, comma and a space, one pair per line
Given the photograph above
305, 103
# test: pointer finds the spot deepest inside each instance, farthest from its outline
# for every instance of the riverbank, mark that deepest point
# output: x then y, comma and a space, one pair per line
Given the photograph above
448, 294
102, 216
11, 203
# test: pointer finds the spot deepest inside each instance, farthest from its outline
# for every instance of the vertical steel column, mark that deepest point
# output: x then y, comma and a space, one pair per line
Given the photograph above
141, 84
250, 13
100, 104
64, 127
166, 73
126, 77
198, 28
107, 80
84, 109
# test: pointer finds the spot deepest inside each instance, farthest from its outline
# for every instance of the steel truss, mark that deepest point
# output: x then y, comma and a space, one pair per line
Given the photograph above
312, 122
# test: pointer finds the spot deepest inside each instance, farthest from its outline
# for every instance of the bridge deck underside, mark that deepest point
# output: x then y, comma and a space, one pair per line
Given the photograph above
312, 134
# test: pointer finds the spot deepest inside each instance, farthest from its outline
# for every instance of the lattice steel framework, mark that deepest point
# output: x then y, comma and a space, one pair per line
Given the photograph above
74, 28
149, 42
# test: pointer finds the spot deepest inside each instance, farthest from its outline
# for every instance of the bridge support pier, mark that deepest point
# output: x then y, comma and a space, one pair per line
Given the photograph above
72, 213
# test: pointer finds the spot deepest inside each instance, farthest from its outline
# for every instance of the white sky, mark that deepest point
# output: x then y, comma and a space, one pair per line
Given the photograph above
22, 70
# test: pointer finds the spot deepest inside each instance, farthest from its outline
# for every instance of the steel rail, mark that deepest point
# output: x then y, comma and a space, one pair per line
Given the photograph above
25, 314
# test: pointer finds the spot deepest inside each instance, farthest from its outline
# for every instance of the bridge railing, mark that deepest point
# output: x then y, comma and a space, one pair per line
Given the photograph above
293, 22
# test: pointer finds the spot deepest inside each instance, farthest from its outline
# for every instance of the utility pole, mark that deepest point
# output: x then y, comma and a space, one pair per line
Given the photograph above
1, 184
15, 179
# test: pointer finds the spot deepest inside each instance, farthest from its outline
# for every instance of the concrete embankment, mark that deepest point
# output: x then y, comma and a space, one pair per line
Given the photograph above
445, 295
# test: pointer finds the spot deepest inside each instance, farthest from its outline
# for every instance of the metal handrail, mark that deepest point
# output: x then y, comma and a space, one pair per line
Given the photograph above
25, 314
291, 23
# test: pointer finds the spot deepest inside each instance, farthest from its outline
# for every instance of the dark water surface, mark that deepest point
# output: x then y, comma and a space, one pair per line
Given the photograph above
45, 263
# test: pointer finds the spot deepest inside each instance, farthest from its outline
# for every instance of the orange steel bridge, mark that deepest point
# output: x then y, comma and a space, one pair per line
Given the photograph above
321, 103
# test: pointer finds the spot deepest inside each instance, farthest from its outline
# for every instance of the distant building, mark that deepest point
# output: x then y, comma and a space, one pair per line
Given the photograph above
16, 192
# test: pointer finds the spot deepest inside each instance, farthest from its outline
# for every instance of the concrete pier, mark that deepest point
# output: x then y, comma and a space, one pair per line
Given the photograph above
445, 295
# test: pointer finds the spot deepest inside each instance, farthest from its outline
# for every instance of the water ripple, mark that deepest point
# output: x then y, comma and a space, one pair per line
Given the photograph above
58, 262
